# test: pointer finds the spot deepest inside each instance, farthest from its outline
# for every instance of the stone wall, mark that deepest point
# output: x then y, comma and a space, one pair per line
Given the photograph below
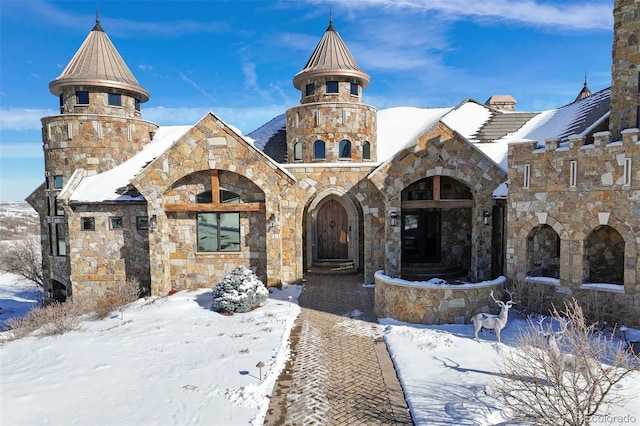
421, 303
601, 197
625, 69
440, 151
332, 122
105, 256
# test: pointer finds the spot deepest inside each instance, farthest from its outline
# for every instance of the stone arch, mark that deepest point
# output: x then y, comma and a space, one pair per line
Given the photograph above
59, 291
311, 232
604, 253
543, 252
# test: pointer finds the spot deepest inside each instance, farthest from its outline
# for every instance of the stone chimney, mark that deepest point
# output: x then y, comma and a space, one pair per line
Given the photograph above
502, 102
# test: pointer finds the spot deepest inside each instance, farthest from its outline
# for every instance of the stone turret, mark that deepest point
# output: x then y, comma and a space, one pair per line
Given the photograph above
99, 125
331, 123
625, 70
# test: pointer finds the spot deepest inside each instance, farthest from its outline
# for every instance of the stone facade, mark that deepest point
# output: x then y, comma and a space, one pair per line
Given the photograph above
589, 195
625, 69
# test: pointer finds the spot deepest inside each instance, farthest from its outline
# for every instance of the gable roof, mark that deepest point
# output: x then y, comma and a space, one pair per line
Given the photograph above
98, 63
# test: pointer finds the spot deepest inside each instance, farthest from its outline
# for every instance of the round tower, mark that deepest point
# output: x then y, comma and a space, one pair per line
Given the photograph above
625, 69
99, 125
331, 124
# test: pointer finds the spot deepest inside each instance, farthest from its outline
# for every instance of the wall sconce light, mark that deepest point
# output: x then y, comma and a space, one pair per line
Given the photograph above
271, 222
394, 218
153, 223
485, 217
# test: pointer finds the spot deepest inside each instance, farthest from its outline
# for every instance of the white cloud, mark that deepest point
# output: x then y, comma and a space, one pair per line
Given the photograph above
196, 86
579, 15
145, 67
23, 118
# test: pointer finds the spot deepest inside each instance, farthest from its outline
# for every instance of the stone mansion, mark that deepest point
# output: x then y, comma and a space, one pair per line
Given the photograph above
467, 193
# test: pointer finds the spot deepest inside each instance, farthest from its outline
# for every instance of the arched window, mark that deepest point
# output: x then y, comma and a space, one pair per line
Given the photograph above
319, 149
366, 151
345, 149
297, 152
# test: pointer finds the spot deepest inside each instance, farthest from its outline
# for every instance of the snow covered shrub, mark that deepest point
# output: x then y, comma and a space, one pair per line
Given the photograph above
240, 291
54, 319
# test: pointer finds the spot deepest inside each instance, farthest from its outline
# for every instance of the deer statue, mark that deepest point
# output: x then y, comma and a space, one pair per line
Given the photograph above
565, 362
490, 321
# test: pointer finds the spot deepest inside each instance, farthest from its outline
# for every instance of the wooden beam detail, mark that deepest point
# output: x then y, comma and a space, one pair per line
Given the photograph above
441, 204
436, 187
215, 207
215, 187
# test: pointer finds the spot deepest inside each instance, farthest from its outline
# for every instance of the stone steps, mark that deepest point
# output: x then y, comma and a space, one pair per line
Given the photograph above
332, 268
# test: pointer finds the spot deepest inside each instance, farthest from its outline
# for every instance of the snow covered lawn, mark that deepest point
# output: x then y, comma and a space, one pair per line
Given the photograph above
167, 361
447, 376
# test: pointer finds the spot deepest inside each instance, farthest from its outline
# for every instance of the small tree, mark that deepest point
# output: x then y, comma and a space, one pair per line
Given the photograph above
239, 291
567, 383
24, 258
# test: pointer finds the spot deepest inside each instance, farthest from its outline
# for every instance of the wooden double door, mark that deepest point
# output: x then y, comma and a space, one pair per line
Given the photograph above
333, 231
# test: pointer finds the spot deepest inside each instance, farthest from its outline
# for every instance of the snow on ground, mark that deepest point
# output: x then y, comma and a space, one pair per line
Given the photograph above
172, 361
168, 360
447, 376
17, 297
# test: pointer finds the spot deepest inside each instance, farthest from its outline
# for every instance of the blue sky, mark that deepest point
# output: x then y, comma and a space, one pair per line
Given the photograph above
238, 58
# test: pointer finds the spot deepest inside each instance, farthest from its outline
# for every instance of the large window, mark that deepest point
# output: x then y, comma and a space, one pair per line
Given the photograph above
345, 149
218, 232
115, 99
318, 149
332, 87
82, 98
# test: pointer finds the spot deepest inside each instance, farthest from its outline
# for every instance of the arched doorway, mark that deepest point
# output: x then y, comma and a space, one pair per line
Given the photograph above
333, 231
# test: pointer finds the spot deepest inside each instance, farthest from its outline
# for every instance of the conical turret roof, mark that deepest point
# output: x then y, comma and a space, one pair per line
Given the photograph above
98, 63
331, 58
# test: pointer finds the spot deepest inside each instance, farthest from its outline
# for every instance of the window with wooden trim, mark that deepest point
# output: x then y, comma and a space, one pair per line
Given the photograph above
573, 173
527, 176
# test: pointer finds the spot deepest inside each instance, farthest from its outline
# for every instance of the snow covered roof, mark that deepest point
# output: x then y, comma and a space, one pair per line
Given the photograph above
112, 185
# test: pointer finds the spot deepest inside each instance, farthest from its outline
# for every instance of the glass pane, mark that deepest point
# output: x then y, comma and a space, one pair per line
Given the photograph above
297, 151
345, 149
142, 222
57, 181
354, 89
229, 231
207, 224
318, 149
309, 89
116, 222
82, 98
229, 197
366, 151
204, 197
332, 87
88, 224
115, 99
61, 241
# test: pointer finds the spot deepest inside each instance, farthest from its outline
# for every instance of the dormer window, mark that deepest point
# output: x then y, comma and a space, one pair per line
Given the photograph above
82, 97
115, 99
354, 89
309, 88
332, 87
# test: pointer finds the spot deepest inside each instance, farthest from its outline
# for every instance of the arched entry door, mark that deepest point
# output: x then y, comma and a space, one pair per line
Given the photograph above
333, 231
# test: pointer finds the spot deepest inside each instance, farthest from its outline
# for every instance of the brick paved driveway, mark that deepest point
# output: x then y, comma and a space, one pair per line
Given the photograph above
340, 372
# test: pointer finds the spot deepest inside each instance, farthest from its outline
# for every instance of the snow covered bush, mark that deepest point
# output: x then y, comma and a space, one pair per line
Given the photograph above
240, 291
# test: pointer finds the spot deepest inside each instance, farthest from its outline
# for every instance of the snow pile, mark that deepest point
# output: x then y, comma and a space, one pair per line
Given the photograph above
240, 291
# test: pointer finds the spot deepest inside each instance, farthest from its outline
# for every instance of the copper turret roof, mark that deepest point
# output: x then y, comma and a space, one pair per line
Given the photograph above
585, 92
331, 58
98, 63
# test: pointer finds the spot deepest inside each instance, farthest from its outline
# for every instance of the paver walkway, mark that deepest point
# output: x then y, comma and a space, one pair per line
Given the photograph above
340, 372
